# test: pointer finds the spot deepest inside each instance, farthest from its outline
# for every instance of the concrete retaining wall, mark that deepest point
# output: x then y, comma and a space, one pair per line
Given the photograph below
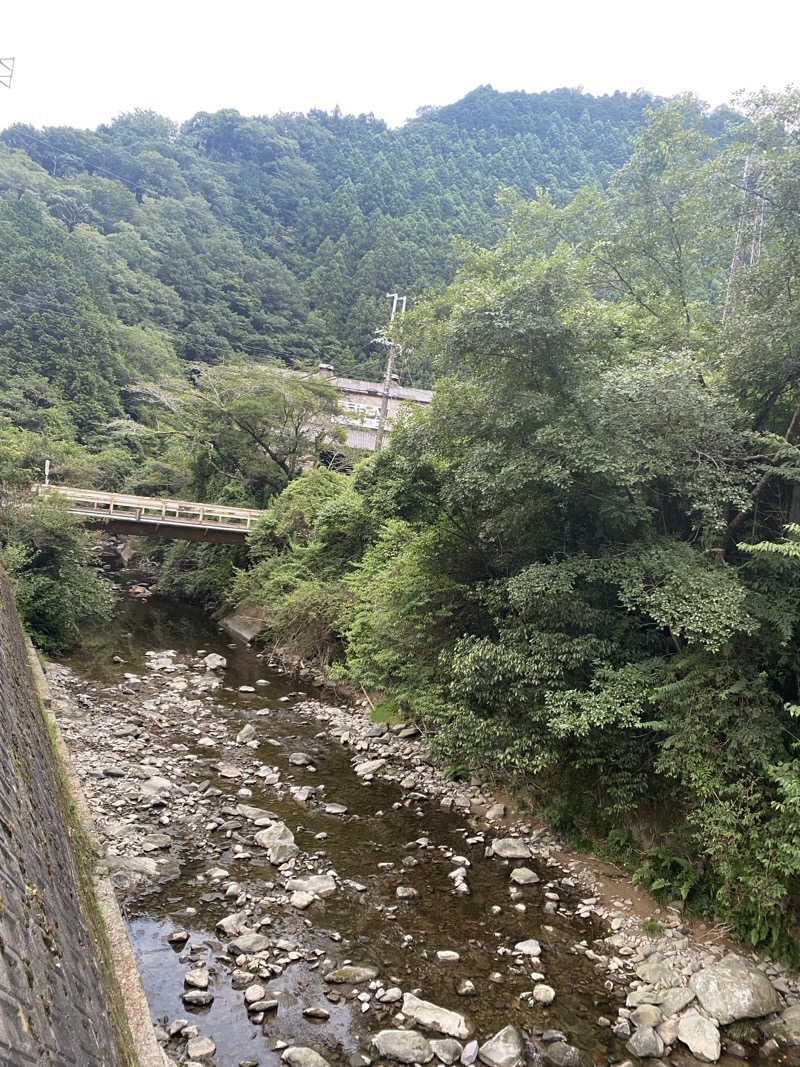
53, 1007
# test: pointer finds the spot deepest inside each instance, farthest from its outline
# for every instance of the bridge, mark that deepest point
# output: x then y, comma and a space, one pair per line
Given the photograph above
157, 516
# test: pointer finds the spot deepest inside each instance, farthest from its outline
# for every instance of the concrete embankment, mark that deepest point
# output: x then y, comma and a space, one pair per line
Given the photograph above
60, 1001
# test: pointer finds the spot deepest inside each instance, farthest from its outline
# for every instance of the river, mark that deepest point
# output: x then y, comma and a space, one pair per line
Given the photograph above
137, 703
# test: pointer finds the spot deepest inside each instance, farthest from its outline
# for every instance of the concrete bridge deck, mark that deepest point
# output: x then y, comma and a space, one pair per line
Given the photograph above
157, 516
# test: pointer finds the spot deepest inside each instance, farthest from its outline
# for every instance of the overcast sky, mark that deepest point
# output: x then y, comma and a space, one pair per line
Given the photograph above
82, 62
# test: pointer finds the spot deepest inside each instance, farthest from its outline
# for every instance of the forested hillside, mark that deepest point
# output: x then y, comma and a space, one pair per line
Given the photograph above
143, 247
277, 237
579, 567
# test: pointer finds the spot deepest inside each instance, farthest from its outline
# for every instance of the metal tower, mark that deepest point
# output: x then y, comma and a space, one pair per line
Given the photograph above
6, 71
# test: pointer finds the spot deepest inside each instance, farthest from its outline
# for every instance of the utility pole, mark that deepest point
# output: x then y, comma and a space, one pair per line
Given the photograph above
387, 381
6, 71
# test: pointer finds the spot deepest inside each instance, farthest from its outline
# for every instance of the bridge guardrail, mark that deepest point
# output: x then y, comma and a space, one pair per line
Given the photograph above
153, 509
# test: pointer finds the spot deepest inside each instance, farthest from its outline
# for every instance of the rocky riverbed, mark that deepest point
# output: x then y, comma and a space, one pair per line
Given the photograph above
302, 885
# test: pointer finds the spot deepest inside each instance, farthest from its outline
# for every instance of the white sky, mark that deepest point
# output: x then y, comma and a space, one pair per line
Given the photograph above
79, 63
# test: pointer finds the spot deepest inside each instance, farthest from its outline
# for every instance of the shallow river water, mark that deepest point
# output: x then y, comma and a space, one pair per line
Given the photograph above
386, 839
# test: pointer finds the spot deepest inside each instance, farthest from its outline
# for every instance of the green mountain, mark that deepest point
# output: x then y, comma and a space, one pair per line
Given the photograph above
143, 242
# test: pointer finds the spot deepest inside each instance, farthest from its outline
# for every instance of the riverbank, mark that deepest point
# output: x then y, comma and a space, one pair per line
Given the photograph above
273, 839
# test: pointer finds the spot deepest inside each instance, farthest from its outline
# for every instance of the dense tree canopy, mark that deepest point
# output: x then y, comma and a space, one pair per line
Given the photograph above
574, 565
578, 566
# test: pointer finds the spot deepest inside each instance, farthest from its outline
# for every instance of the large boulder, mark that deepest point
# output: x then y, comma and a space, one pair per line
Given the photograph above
701, 1036
278, 840
405, 1046
505, 1049
432, 1017
734, 989
510, 848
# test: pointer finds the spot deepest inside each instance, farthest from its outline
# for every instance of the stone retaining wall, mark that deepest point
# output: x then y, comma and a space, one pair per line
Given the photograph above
53, 1008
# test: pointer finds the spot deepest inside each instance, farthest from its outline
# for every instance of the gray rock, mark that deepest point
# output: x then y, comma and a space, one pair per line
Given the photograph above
155, 785
154, 842
524, 876
470, 1053
668, 1031
647, 1015
254, 992
446, 1049
406, 892
496, 812
196, 979
301, 1056
553, 1035
200, 1048
544, 994
351, 975
675, 1000
561, 1054
247, 944
318, 885
505, 1049
370, 767
301, 901
247, 733
214, 662
658, 973
734, 989
263, 1006
230, 925
197, 998
322, 1014
279, 842
510, 848
404, 1046
300, 759
432, 1017
228, 770
645, 1043
701, 1035
531, 947
786, 1027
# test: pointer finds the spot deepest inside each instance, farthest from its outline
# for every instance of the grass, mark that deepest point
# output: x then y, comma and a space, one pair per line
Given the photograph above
652, 928
387, 711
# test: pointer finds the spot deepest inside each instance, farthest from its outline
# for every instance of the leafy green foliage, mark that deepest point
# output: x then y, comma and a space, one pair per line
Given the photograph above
546, 568
46, 554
